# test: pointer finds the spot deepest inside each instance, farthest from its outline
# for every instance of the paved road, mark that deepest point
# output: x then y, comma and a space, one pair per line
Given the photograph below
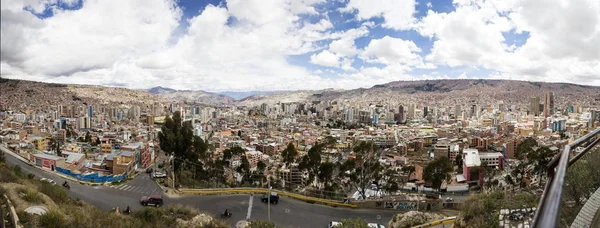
287, 213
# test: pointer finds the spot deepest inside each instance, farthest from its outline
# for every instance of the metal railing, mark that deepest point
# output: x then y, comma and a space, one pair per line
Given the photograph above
547, 213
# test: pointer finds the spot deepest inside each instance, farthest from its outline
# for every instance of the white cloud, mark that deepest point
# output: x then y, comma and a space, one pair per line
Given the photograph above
561, 46
389, 50
397, 14
325, 58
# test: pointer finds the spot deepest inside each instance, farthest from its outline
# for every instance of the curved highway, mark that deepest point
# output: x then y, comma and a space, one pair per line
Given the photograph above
287, 213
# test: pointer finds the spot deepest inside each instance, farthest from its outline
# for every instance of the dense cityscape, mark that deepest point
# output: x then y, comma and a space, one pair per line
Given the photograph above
299, 113
331, 150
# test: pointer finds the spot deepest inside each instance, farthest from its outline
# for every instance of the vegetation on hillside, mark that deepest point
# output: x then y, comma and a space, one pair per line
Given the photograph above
482, 210
64, 212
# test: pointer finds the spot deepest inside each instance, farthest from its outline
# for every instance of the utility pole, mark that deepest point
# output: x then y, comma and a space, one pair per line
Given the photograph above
173, 170
269, 198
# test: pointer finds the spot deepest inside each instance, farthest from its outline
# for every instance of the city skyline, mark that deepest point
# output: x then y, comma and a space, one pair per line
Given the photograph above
225, 46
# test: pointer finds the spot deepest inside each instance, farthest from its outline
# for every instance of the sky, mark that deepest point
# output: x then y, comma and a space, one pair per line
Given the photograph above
265, 45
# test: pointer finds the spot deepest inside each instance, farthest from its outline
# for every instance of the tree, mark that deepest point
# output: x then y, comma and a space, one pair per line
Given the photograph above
325, 172
244, 167
177, 137
459, 161
289, 154
367, 169
525, 148
408, 170
261, 166
58, 151
88, 137
437, 171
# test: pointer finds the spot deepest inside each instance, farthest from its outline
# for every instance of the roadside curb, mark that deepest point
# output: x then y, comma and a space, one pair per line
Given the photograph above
282, 193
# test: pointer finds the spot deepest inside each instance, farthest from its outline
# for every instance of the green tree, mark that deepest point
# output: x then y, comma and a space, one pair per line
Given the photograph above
408, 170
367, 169
177, 138
58, 151
325, 172
289, 154
261, 166
459, 162
437, 171
88, 137
525, 147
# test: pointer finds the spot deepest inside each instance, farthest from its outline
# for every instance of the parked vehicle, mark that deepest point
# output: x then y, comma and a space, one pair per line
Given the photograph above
48, 180
159, 175
154, 200
274, 198
375, 225
333, 224
149, 170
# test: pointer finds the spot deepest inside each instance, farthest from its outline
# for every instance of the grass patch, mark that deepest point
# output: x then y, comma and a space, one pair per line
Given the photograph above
55, 192
52, 219
33, 197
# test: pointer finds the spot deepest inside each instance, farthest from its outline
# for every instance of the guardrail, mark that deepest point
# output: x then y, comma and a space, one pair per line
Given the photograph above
446, 221
547, 213
262, 190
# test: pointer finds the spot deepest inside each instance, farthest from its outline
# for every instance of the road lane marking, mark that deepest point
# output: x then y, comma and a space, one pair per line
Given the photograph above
250, 207
127, 188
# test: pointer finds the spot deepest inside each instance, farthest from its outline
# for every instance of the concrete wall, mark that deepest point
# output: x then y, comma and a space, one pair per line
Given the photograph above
402, 205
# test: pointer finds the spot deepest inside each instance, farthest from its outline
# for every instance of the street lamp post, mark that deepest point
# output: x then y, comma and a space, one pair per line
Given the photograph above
269, 198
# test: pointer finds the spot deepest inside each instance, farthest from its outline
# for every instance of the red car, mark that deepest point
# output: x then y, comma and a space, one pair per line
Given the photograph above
154, 200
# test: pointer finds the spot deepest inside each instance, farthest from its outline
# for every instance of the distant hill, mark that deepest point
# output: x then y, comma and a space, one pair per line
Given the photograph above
159, 90
449, 91
241, 95
192, 96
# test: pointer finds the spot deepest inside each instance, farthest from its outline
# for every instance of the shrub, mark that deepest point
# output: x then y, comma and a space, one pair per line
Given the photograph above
261, 224
33, 197
52, 219
353, 223
57, 193
24, 217
148, 214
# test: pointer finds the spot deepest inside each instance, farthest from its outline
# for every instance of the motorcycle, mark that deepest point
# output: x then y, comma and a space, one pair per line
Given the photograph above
66, 186
226, 215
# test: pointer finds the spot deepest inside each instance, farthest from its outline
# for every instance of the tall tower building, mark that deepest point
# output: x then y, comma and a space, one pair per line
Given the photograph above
548, 104
411, 111
457, 111
90, 111
400, 114
534, 106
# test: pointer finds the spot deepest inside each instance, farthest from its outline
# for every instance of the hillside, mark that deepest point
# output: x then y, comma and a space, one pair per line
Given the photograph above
191, 96
440, 92
20, 94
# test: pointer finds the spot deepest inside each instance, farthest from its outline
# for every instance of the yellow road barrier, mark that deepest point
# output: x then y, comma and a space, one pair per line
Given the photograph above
247, 191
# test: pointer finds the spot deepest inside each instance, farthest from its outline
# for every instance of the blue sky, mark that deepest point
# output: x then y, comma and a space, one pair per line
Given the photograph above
241, 45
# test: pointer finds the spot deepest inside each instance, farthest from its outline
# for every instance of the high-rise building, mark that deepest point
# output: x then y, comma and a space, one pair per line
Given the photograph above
534, 106
90, 111
457, 111
400, 114
60, 111
548, 104
411, 111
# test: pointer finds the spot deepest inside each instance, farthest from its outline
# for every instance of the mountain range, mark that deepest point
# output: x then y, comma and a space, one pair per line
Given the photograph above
393, 93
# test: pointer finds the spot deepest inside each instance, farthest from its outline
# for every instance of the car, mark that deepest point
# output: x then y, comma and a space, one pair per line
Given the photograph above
149, 170
333, 224
375, 225
48, 180
159, 175
274, 198
154, 200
